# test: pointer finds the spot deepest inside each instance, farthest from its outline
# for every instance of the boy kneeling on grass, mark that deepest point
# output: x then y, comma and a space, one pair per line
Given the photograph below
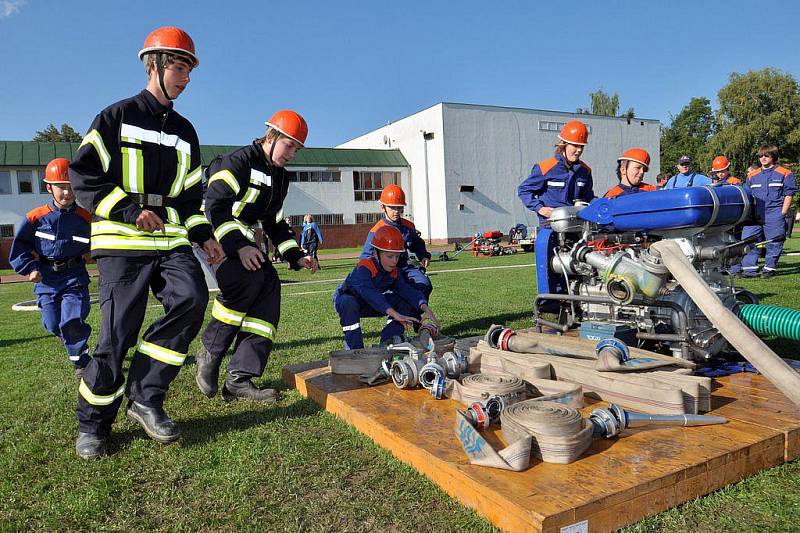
374, 288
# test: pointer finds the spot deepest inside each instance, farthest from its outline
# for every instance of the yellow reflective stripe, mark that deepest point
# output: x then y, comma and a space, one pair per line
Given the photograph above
97, 399
196, 220
249, 197
180, 174
172, 215
132, 167
231, 225
105, 206
227, 177
193, 178
258, 327
165, 355
226, 315
94, 138
286, 245
109, 227
279, 216
128, 243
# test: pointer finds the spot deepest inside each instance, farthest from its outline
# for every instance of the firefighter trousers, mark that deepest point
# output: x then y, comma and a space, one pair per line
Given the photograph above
64, 312
246, 314
176, 280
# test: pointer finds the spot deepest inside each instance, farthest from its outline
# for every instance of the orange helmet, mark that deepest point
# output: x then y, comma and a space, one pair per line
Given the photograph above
720, 163
170, 39
639, 155
388, 239
56, 171
290, 124
392, 195
574, 132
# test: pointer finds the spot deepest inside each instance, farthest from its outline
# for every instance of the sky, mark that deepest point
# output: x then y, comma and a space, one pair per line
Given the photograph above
350, 67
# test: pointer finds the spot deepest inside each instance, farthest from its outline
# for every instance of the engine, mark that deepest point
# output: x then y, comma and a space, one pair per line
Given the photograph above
594, 264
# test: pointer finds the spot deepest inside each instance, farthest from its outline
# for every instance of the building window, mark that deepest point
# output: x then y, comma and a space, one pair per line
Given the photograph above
25, 181
42, 184
327, 219
5, 182
547, 125
368, 185
368, 218
6, 231
315, 176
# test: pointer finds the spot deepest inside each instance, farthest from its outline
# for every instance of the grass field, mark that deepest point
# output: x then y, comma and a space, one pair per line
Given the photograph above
290, 466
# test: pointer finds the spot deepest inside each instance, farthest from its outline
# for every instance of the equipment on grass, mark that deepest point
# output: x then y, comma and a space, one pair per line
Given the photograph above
488, 243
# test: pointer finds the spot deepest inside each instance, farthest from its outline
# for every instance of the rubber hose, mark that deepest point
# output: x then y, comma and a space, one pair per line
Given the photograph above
771, 320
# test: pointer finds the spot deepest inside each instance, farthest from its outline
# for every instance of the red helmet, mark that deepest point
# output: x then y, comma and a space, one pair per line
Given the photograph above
290, 124
720, 163
639, 155
170, 39
56, 171
574, 132
392, 195
388, 239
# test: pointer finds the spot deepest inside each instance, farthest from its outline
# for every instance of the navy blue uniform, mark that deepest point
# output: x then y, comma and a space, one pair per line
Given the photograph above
52, 241
413, 276
370, 291
552, 184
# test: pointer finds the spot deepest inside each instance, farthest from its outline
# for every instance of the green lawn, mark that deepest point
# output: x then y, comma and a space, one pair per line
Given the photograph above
291, 466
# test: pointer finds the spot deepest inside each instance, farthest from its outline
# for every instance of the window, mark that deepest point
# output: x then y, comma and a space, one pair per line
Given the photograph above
42, 184
547, 125
6, 231
368, 185
327, 219
25, 181
5, 182
316, 176
368, 218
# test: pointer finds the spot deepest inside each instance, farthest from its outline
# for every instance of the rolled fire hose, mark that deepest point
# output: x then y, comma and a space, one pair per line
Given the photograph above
743, 339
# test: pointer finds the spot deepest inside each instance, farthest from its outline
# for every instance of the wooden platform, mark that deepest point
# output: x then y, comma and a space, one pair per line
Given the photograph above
617, 482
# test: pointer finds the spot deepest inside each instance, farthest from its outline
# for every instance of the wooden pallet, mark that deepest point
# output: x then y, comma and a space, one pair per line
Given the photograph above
617, 482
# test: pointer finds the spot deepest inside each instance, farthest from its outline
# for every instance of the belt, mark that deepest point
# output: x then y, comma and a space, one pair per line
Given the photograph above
151, 200
62, 265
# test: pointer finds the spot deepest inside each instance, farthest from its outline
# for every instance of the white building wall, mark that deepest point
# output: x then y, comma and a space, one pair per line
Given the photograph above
14, 206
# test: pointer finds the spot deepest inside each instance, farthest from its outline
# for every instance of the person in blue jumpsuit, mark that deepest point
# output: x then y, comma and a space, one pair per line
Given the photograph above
49, 248
686, 177
310, 237
393, 202
375, 288
773, 187
561, 180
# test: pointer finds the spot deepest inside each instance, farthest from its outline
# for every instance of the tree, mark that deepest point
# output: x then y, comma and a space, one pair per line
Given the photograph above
605, 104
51, 134
687, 134
756, 108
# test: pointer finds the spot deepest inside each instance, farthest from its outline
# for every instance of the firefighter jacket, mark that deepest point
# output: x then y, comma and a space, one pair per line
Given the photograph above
139, 154
413, 242
624, 190
369, 281
243, 189
769, 187
552, 184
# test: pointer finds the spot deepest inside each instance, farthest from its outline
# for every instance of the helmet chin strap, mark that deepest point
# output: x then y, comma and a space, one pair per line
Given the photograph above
160, 71
272, 148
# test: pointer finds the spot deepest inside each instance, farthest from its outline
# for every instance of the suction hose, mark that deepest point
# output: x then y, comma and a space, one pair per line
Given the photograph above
771, 320
744, 340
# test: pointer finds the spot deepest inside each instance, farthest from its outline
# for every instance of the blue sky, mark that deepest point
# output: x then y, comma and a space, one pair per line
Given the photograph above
350, 67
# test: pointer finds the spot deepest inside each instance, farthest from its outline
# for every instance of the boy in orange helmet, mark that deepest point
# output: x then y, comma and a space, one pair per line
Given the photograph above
720, 175
630, 173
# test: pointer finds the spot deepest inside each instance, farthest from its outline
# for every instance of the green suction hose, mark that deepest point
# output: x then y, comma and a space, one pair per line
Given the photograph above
771, 320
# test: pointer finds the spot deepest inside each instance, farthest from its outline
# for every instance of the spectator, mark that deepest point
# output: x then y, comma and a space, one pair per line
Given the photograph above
686, 177
310, 237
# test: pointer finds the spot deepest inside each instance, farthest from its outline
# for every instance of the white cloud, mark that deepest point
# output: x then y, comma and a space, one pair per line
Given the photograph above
10, 7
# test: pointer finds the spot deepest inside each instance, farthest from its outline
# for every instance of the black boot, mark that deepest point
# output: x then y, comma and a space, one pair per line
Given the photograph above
90, 446
242, 388
155, 422
207, 376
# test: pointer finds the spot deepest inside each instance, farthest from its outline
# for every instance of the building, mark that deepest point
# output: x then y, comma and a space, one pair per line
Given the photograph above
339, 187
467, 161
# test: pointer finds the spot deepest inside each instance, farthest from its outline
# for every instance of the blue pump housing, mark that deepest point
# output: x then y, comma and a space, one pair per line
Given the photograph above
690, 207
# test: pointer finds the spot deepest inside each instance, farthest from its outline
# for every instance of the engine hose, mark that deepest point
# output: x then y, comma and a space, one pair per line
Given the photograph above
771, 320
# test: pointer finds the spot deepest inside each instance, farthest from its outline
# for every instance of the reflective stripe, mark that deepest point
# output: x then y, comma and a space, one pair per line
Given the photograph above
249, 197
260, 177
180, 174
94, 138
45, 235
227, 177
96, 399
172, 215
193, 178
196, 220
109, 227
132, 167
580, 183
80, 239
287, 244
258, 327
108, 235
105, 206
226, 315
352, 327
165, 355
755, 186
155, 137
279, 215
231, 225
776, 184
556, 184
128, 243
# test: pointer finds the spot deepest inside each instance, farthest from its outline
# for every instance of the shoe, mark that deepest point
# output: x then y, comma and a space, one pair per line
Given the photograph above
155, 422
245, 390
207, 376
767, 274
90, 446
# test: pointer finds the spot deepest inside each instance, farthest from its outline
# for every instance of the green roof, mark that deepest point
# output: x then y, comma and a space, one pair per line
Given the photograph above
29, 153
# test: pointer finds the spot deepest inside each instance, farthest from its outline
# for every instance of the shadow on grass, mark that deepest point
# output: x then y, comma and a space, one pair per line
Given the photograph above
460, 329
5, 343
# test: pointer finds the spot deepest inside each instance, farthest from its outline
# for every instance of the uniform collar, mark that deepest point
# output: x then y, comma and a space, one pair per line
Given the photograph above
54, 207
257, 151
152, 104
